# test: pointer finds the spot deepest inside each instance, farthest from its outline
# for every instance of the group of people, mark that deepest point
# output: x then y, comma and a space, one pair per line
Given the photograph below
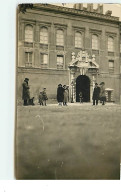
62, 95
26, 95
99, 94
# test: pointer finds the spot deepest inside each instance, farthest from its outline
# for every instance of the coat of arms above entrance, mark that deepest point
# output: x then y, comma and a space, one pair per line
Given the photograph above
83, 59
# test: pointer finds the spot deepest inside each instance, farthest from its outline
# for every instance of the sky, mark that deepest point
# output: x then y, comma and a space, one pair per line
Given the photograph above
115, 8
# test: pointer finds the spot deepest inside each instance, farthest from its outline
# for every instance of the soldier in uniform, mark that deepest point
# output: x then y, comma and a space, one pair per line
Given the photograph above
25, 93
44, 96
40, 99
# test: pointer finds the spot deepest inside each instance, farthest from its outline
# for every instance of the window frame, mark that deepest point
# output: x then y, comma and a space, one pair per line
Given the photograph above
111, 69
93, 42
28, 63
26, 39
77, 46
60, 65
42, 42
63, 40
42, 64
108, 45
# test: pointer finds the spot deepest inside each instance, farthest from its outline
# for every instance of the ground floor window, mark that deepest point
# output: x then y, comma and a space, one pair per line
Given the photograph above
111, 66
44, 60
28, 58
60, 62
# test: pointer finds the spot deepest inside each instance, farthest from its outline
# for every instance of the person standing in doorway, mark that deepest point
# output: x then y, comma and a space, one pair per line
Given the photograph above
102, 93
26, 93
80, 97
96, 94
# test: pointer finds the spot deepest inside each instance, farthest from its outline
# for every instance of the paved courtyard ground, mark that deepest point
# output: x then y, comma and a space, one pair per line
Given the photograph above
79, 141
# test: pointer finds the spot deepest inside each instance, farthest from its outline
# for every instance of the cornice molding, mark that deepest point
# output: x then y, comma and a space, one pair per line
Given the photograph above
95, 31
33, 21
58, 25
113, 34
59, 9
79, 28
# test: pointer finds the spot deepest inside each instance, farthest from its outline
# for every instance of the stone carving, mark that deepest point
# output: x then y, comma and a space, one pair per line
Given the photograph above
83, 60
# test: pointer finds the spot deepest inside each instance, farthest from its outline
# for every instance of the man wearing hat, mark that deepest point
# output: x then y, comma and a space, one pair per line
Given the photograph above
96, 93
60, 95
26, 93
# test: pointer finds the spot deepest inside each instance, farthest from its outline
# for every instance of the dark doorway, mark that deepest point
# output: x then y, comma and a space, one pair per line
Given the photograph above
83, 85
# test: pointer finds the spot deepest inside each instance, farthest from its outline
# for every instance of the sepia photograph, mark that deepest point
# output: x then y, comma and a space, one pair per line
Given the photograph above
68, 91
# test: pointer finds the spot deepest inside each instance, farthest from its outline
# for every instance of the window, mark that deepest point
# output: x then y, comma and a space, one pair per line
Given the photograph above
110, 44
60, 62
111, 66
60, 38
44, 59
95, 42
28, 58
29, 33
78, 40
44, 35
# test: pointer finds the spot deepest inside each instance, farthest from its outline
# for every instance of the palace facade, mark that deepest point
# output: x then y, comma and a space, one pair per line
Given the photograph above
72, 46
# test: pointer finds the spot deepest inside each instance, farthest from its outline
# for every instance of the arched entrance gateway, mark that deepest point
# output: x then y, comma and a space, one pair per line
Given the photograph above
83, 75
83, 85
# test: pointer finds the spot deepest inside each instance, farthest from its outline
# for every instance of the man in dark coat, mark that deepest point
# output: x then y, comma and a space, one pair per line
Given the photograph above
26, 93
60, 94
96, 94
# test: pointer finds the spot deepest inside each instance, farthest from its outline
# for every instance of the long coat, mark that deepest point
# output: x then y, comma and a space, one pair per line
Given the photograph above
60, 94
96, 93
102, 93
25, 93
65, 95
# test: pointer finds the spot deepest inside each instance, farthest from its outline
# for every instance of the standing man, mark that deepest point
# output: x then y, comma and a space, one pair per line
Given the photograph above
60, 94
26, 93
96, 94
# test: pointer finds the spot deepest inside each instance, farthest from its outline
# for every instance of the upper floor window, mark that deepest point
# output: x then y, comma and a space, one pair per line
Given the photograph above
29, 33
60, 38
95, 44
78, 40
110, 44
44, 35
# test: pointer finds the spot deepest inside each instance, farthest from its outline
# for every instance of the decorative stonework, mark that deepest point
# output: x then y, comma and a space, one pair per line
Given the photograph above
83, 60
84, 65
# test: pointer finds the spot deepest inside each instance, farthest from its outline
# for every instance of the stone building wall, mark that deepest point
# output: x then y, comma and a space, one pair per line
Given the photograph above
70, 21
